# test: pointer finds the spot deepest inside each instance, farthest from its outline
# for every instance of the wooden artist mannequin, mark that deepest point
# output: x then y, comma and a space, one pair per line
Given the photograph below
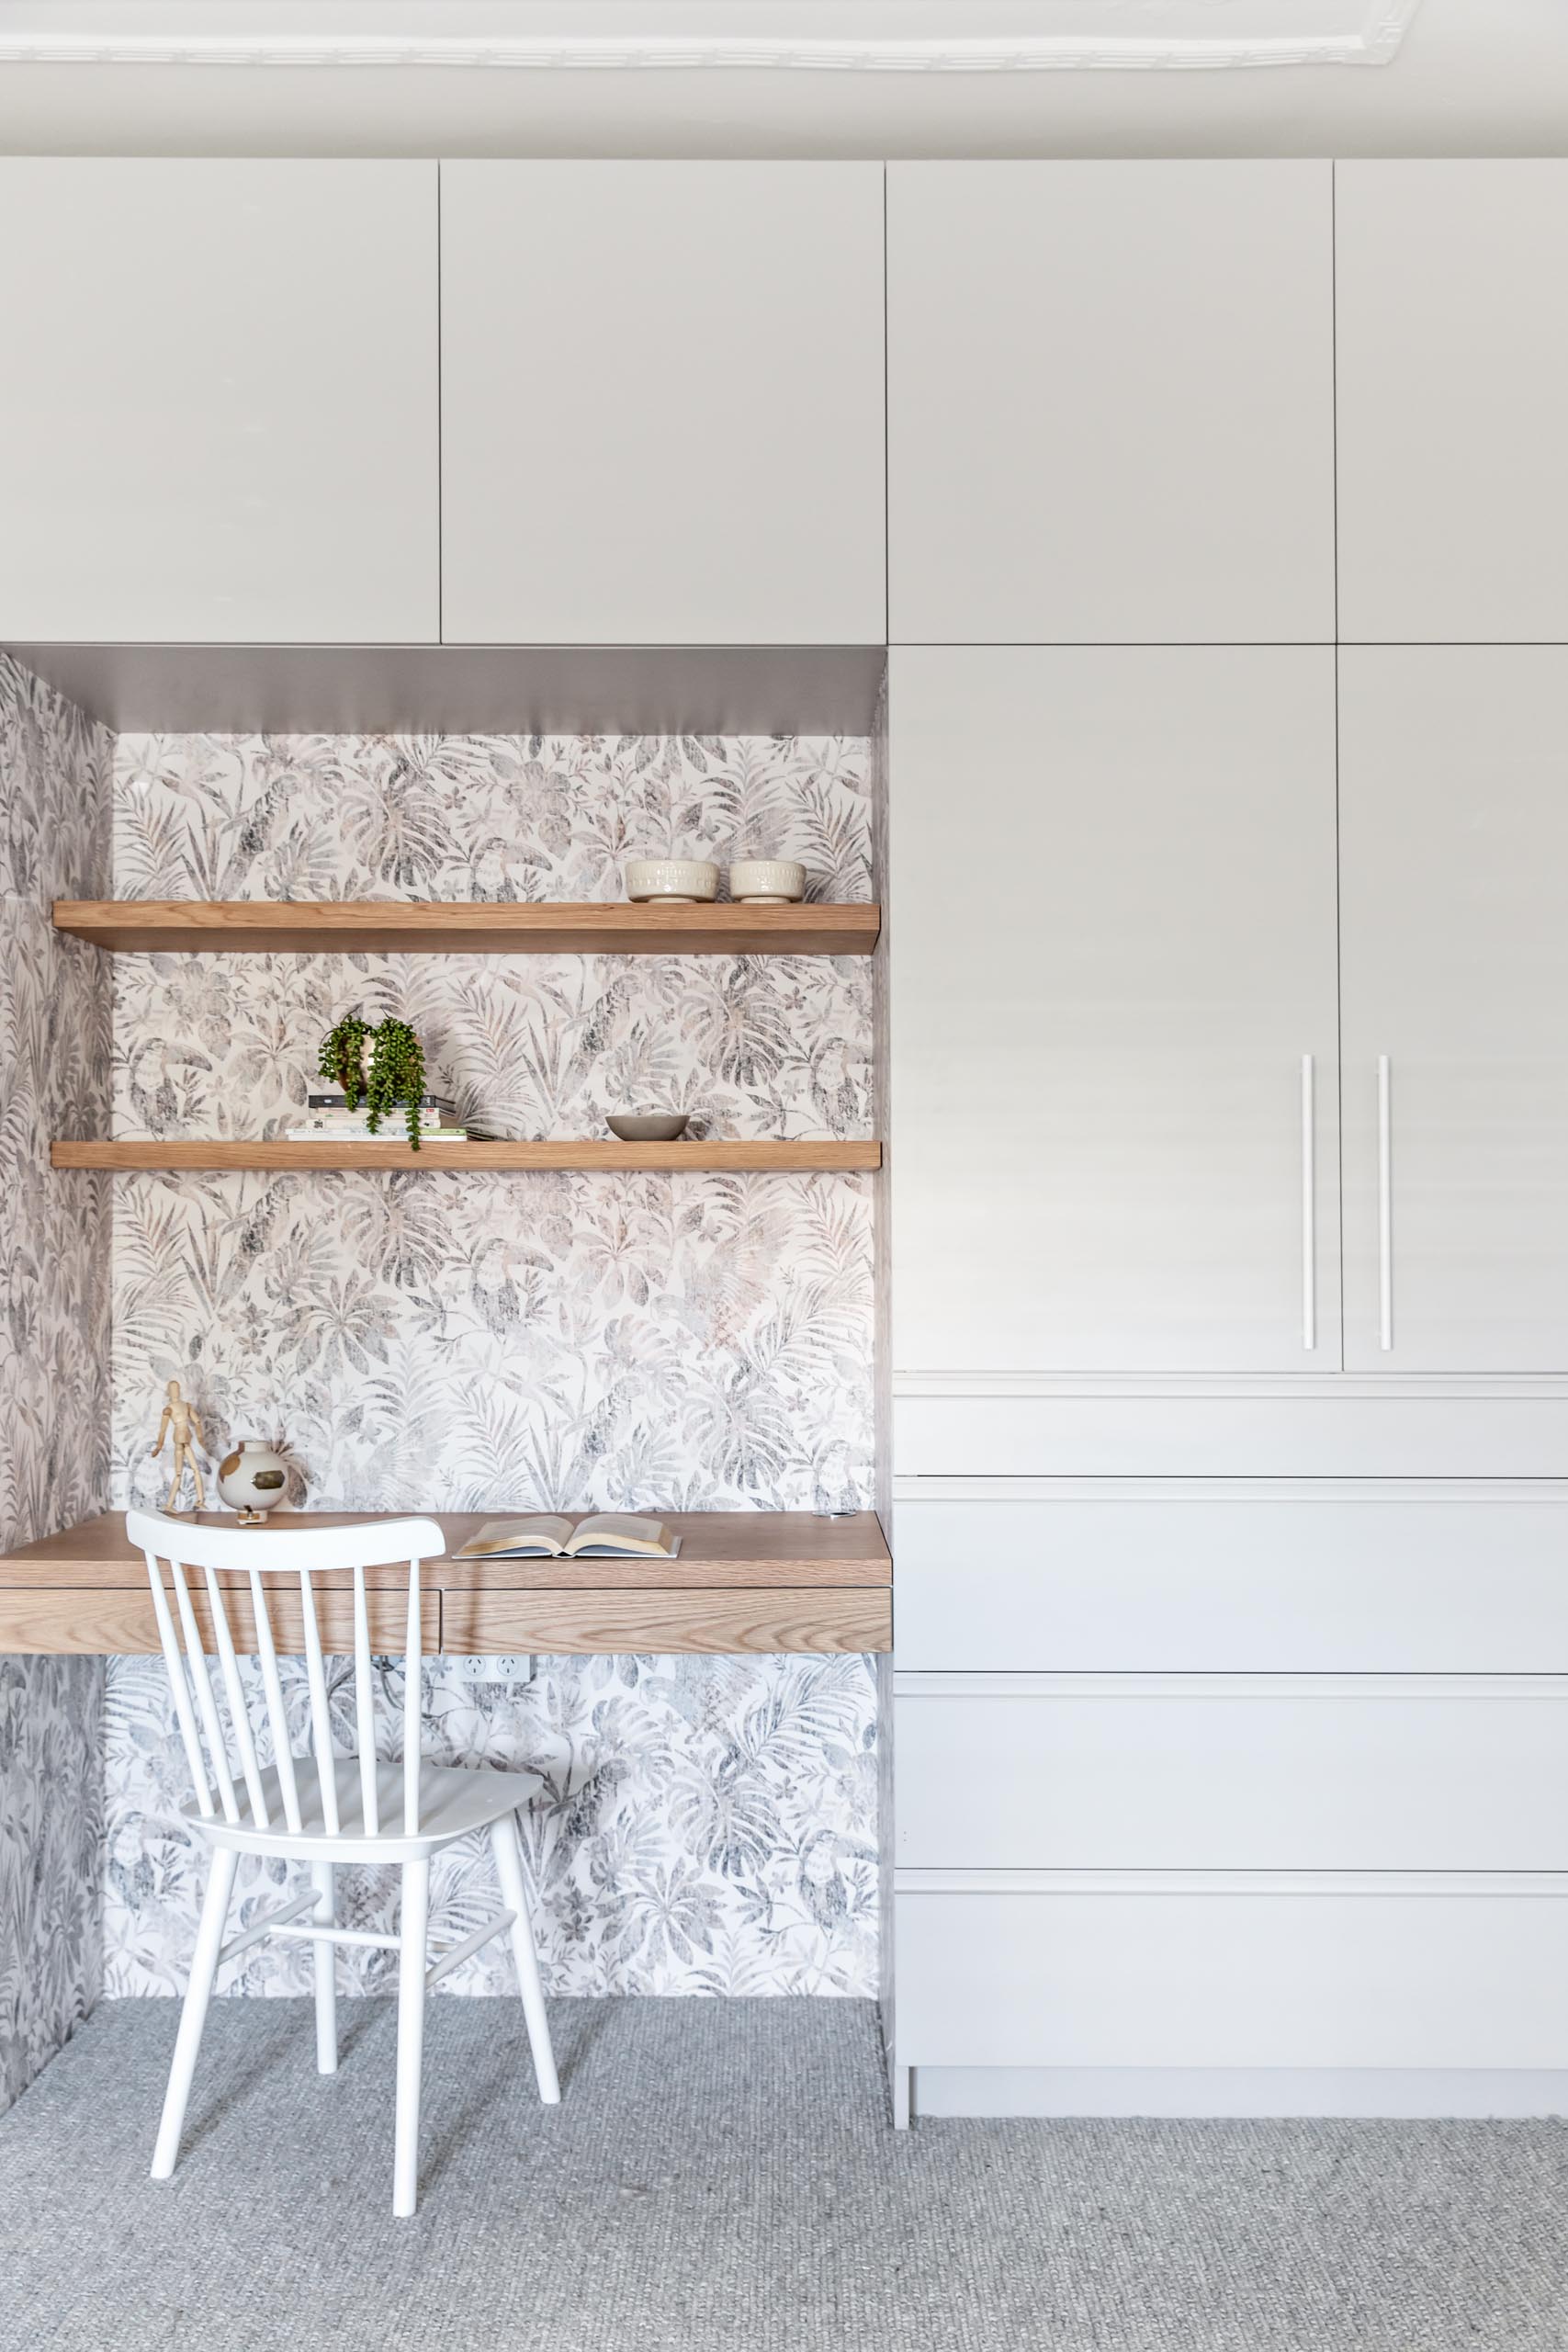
182, 1419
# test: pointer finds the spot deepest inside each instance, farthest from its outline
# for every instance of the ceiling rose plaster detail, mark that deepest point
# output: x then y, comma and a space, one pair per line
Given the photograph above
1139, 35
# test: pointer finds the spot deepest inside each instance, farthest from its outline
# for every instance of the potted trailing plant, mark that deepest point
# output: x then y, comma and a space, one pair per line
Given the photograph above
386, 1065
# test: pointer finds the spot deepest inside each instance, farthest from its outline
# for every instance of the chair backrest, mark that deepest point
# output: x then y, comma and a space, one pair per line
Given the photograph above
259, 1553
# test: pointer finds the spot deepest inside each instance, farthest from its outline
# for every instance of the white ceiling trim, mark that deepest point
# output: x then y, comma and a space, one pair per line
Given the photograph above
38, 40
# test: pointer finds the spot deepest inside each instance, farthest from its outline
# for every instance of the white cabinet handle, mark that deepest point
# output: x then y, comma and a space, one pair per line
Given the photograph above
1385, 1206
1309, 1206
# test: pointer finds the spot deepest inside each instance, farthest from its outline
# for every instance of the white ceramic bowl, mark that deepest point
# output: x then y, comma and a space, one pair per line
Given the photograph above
683, 879
767, 881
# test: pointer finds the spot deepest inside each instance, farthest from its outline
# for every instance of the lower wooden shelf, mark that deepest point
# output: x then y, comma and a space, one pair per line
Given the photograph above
808, 1157
744, 1583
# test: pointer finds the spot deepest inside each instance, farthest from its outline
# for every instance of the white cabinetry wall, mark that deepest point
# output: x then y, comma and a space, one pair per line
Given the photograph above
1227, 508
1231, 1672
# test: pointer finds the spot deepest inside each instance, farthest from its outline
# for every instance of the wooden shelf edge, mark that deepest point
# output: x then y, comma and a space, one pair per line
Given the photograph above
457, 927
594, 1156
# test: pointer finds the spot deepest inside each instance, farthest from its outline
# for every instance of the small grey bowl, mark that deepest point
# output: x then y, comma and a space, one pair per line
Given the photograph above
648, 1127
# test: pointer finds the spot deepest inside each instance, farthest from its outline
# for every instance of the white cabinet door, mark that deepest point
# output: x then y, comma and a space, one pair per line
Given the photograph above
662, 397
218, 397
1452, 391
1113, 946
1110, 402
1455, 831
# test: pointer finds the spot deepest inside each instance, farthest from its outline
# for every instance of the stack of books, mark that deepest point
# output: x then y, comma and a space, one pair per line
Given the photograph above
328, 1119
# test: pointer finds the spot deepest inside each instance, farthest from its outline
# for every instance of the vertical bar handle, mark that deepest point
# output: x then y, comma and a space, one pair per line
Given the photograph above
1385, 1203
1309, 1203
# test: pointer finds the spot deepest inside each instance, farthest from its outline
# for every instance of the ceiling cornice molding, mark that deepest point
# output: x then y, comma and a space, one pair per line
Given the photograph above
35, 42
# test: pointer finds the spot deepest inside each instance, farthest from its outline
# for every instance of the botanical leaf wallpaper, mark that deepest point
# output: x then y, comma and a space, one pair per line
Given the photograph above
444, 1341
54, 1407
707, 1826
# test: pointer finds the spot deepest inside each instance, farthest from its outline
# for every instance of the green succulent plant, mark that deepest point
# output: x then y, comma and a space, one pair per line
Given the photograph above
341, 1057
395, 1072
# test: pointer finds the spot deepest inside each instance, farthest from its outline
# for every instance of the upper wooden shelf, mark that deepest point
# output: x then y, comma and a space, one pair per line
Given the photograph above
626, 1159
455, 927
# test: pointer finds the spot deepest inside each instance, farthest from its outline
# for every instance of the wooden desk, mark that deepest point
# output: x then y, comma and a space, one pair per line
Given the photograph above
744, 1581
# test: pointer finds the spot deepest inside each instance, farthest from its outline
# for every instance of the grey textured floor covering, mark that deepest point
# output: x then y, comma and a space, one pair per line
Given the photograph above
721, 2179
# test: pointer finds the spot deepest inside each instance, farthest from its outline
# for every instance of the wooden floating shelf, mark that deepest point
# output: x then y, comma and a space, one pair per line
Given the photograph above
624, 1158
455, 927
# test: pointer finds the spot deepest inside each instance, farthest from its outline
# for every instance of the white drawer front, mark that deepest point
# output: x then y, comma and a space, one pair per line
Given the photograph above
1094, 1972
985, 1430
1232, 1772
1205, 1578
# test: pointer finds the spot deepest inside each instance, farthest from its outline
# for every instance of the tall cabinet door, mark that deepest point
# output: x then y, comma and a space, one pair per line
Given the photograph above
219, 400
1113, 1080
1454, 816
1110, 402
662, 403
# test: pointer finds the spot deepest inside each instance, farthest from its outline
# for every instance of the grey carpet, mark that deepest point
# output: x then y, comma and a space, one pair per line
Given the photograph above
721, 2179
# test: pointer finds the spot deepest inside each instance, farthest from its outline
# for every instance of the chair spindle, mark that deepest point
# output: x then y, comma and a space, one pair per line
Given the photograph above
276, 1714
180, 1687
238, 1712
365, 1705
413, 1714
321, 1719
201, 1681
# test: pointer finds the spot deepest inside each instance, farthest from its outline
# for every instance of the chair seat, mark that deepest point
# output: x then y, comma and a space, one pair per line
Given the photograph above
453, 1802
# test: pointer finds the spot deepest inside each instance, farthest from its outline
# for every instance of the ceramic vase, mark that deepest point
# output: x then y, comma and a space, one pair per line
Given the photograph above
252, 1480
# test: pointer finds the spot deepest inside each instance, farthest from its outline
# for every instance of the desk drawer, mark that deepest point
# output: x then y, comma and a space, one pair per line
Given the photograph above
1152, 1577
723, 1620
1207, 1973
120, 1623
1232, 1772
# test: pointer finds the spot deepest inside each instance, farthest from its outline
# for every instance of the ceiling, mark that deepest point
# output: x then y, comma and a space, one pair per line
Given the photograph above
785, 77
823, 35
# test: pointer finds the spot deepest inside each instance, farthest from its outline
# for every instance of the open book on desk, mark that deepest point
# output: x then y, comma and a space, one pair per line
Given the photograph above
610, 1535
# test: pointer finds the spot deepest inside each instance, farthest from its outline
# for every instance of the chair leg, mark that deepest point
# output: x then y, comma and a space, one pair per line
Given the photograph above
413, 1935
506, 1845
325, 1916
193, 2017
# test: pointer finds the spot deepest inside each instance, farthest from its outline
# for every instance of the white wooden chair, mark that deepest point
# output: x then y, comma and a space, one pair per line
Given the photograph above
324, 1809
